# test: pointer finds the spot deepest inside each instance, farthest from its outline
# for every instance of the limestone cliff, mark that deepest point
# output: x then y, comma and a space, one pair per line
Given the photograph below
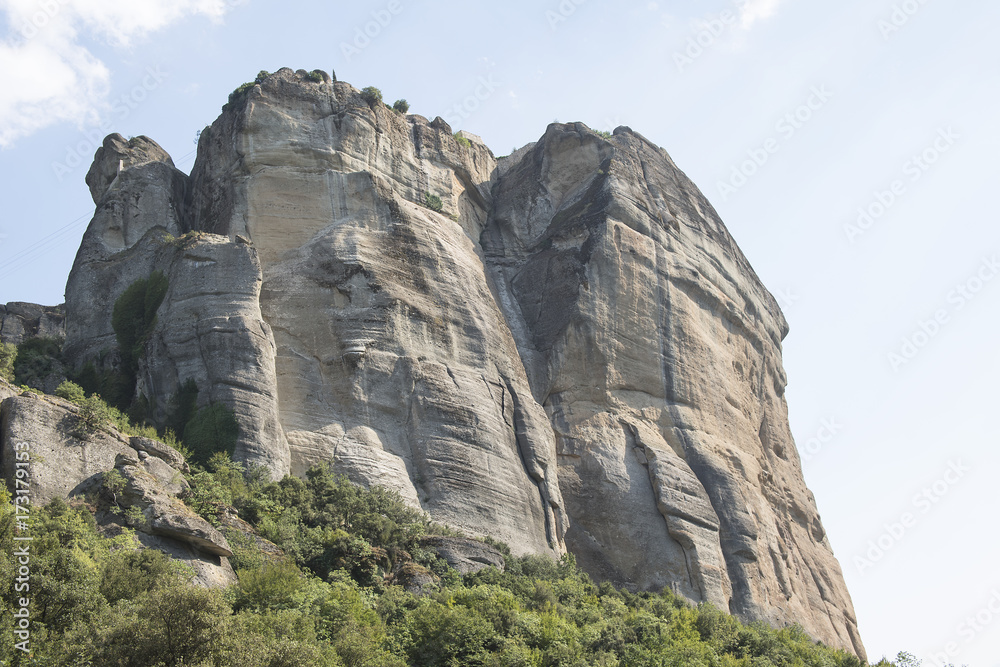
564, 349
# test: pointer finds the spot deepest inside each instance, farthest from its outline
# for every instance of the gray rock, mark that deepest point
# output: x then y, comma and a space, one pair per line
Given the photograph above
118, 154
392, 359
571, 354
163, 513
416, 579
64, 464
61, 464
160, 450
20, 321
656, 352
7, 390
464, 554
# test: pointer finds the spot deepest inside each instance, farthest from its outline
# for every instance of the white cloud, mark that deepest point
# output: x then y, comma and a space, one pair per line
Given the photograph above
48, 76
753, 10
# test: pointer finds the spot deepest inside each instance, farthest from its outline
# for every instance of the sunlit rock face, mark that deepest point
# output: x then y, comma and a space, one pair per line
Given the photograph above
563, 349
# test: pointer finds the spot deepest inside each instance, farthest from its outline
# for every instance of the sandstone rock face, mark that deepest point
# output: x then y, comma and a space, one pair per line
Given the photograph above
393, 360
209, 328
21, 321
564, 349
63, 463
656, 352
163, 513
136, 208
465, 555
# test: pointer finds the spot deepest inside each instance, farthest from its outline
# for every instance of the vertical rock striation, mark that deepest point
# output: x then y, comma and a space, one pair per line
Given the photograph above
563, 349
656, 353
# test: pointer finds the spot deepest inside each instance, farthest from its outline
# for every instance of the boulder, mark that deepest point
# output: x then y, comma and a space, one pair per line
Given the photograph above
463, 554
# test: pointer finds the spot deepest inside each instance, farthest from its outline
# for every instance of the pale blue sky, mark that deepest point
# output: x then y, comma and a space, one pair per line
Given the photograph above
164, 69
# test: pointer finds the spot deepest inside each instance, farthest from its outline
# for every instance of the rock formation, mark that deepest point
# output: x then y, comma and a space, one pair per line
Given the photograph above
65, 463
563, 349
20, 321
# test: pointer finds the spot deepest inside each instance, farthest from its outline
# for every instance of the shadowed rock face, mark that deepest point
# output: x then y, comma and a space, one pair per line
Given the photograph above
656, 353
571, 354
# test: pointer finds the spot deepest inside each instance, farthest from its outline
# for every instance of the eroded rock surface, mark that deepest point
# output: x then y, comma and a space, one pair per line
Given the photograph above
463, 554
564, 349
20, 321
656, 352
66, 461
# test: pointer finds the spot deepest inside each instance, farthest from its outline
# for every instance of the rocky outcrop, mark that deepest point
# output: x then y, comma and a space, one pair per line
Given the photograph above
64, 461
463, 554
162, 513
656, 352
564, 349
392, 357
20, 321
209, 328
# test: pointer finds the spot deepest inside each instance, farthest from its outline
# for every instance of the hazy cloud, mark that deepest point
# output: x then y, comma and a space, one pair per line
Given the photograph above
753, 10
48, 76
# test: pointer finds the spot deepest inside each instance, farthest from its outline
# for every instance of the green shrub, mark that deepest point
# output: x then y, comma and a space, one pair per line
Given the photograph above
402, 106
371, 95
462, 141
603, 133
182, 407
433, 202
127, 574
316, 76
213, 429
243, 88
134, 317
37, 359
8, 353
271, 586
71, 391
94, 415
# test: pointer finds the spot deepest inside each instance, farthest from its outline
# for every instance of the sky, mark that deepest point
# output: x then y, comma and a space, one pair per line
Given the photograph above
849, 146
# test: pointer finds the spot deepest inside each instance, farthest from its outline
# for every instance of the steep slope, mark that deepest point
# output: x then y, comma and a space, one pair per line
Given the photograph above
568, 352
656, 352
